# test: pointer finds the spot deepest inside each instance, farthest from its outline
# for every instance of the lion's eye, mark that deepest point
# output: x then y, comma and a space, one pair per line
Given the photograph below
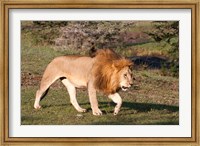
125, 75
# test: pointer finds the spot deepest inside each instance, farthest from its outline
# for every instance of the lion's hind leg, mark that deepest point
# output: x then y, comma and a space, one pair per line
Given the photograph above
44, 86
72, 93
118, 100
38, 97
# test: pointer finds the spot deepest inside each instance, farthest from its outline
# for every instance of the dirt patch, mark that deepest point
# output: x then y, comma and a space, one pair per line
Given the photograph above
29, 79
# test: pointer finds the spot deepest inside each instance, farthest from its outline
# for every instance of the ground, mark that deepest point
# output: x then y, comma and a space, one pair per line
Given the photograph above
152, 100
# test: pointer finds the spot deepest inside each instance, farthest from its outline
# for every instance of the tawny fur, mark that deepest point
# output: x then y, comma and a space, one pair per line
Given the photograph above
106, 70
107, 74
101, 72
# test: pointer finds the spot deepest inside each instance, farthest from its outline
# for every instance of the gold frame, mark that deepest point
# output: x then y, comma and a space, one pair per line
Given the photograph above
182, 4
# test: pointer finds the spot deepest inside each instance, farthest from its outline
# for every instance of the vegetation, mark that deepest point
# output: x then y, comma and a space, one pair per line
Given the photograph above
167, 32
153, 99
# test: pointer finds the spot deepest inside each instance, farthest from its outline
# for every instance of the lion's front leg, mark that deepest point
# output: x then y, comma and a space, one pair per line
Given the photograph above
116, 99
93, 100
72, 93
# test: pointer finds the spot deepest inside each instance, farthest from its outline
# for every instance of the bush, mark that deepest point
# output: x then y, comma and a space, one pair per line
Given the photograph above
168, 32
85, 34
45, 32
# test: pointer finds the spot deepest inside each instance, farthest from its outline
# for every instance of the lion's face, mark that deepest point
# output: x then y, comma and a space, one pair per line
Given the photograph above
125, 78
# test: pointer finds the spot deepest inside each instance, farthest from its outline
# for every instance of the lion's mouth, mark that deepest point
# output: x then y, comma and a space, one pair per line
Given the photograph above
124, 88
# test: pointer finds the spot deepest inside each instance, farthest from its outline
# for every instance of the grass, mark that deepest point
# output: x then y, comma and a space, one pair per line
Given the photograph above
153, 99
145, 49
143, 104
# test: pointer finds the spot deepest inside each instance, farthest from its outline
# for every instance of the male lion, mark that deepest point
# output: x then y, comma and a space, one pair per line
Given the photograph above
103, 71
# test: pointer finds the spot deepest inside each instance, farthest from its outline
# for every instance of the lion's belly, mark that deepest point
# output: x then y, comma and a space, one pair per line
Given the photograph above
78, 83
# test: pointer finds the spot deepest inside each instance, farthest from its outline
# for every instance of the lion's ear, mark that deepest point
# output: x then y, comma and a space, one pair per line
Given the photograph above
119, 64
116, 64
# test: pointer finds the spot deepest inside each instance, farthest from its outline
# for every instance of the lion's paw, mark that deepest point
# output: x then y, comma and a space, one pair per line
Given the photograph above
97, 112
37, 106
115, 113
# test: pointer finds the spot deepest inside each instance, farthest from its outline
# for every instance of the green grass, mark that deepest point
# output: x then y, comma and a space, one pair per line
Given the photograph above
146, 103
153, 99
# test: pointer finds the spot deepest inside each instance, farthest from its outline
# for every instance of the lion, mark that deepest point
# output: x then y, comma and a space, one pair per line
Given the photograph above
103, 71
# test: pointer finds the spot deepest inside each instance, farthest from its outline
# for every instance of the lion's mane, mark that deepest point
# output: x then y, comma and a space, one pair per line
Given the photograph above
106, 70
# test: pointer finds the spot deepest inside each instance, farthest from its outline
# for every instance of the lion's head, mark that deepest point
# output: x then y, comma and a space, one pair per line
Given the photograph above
125, 78
112, 72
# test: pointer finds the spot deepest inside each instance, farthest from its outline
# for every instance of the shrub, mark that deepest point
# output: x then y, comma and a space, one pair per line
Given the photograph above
168, 32
85, 34
44, 32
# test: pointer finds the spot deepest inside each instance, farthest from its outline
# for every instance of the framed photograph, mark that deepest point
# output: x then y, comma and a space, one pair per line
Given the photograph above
105, 72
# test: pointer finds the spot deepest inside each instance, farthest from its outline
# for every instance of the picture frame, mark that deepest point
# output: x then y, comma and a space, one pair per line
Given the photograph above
111, 4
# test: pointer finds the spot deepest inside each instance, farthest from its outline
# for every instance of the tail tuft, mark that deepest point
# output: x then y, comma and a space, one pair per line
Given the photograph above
92, 51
